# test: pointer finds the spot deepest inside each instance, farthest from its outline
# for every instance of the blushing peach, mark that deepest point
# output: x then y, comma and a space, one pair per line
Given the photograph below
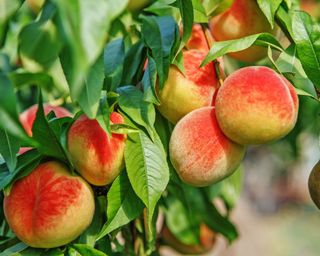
243, 18
199, 151
49, 207
256, 105
28, 116
183, 93
197, 39
98, 157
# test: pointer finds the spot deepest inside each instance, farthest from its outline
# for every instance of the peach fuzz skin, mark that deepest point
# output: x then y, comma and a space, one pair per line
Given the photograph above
197, 39
49, 207
243, 18
200, 153
98, 157
256, 105
28, 116
183, 93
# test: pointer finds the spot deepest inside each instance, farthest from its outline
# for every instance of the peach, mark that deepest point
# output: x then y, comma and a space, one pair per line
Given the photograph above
243, 18
312, 7
49, 207
207, 240
28, 116
183, 93
199, 151
97, 156
197, 39
256, 105
314, 184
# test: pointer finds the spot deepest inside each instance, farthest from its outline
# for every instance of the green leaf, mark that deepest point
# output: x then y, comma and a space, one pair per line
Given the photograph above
123, 205
219, 223
269, 8
90, 96
132, 103
114, 54
197, 198
147, 167
290, 66
84, 24
199, 13
26, 163
84, 250
49, 142
221, 48
160, 35
14, 249
89, 236
149, 81
306, 35
231, 188
20, 78
284, 20
8, 110
164, 8
133, 60
186, 11
9, 147
39, 45
180, 222
7, 9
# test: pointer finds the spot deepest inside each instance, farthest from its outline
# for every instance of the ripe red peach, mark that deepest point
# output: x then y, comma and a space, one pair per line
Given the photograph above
28, 116
243, 18
97, 156
256, 105
49, 207
197, 39
199, 151
183, 93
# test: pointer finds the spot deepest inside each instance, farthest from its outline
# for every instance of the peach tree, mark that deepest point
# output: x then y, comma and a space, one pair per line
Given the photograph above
123, 93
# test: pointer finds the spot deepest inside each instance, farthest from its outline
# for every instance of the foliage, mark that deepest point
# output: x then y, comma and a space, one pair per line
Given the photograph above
90, 57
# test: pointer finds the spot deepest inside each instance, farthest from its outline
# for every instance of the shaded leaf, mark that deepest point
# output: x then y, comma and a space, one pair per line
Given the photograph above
91, 93
132, 103
84, 250
9, 147
160, 35
221, 48
114, 54
306, 35
148, 171
84, 24
269, 8
149, 81
123, 205
8, 110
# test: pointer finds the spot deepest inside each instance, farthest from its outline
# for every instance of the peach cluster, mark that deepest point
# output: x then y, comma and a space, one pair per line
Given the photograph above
254, 105
50, 207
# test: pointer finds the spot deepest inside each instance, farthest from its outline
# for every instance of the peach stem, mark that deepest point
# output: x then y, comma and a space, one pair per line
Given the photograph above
216, 63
